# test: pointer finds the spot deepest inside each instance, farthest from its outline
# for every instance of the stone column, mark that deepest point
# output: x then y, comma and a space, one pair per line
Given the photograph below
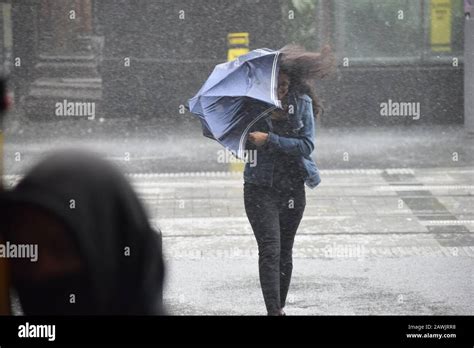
68, 58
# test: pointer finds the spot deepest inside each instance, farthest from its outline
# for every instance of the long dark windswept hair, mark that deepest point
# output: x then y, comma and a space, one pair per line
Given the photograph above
304, 68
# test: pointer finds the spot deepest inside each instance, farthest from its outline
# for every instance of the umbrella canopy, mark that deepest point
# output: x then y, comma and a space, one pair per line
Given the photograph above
235, 96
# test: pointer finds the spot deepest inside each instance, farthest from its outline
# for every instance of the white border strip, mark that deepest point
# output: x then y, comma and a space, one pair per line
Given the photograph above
273, 86
322, 171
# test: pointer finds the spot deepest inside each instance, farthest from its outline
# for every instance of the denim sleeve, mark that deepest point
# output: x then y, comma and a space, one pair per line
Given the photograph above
303, 144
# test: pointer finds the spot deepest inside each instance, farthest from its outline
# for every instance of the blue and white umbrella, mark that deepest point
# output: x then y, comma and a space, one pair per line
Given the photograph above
235, 96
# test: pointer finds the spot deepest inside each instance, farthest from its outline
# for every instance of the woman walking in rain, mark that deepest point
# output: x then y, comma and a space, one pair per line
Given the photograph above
274, 191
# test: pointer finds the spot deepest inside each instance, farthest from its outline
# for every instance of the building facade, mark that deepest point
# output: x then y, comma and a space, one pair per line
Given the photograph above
143, 59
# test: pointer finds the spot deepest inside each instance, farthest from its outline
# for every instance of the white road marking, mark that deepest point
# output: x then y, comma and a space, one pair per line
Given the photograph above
446, 222
422, 187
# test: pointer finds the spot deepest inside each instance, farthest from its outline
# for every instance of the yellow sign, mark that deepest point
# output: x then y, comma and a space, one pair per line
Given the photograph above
441, 18
236, 52
238, 44
238, 39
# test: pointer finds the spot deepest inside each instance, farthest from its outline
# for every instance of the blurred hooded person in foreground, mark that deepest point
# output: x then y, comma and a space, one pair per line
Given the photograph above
97, 253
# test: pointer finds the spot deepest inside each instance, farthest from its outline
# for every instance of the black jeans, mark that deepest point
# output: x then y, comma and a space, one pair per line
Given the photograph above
274, 215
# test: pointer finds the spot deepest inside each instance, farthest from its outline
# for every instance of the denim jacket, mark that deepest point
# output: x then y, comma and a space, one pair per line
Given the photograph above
301, 145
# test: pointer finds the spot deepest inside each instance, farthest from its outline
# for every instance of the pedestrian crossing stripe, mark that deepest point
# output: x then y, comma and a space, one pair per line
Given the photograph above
446, 222
390, 171
423, 187
175, 251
